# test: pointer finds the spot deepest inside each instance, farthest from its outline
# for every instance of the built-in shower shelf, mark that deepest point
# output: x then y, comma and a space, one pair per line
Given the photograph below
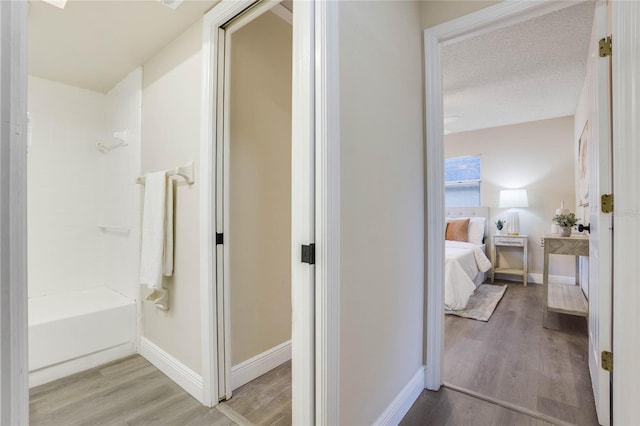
115, 229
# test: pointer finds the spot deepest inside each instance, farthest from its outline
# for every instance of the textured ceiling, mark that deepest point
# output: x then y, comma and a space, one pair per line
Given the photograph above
94, 44
530, 71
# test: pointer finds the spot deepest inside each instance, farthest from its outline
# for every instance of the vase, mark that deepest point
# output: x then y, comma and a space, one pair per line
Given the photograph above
565, 231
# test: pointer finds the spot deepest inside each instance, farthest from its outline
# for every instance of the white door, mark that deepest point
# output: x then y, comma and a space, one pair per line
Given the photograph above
600, 240
218, 28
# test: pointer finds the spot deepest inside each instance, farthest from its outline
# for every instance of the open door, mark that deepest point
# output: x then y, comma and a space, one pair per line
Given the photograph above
600, 239
224, 18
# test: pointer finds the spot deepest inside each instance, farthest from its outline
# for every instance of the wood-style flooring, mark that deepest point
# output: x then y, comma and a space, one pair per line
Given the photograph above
513, 359
133, 392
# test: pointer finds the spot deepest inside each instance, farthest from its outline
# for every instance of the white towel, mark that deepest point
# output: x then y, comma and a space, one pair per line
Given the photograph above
157, 235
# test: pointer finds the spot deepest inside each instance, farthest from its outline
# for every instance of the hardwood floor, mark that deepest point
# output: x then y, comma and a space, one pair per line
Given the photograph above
448, 407
512, 358
133, 392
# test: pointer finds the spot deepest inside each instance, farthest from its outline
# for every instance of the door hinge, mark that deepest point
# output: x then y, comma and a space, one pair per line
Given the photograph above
606, 203
309, 254
219, 239
605, 47
606, 361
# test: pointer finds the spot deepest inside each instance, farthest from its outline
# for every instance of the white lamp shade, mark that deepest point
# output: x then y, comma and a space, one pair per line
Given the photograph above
513, 198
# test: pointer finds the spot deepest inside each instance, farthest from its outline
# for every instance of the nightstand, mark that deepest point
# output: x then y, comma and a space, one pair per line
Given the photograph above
518, 241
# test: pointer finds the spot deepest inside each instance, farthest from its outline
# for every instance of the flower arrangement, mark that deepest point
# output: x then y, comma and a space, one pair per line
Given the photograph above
500, 224
566, 220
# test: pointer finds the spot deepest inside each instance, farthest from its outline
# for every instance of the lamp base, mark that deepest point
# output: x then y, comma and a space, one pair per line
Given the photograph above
513, 223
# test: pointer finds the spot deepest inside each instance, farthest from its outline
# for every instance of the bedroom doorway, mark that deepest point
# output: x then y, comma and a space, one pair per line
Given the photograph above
440, 37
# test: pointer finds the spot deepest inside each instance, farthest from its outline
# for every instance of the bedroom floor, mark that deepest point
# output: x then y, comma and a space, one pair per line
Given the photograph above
512, 358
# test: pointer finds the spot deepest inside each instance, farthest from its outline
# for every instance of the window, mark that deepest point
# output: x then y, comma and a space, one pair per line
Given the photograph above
462, 181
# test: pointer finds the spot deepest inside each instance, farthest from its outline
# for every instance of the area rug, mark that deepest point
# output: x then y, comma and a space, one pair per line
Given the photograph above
482, 303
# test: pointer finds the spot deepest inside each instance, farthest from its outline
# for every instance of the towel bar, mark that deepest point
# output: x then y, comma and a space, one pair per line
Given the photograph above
186, 172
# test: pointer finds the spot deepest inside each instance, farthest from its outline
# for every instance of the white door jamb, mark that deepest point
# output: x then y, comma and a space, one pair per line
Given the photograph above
14, 370
626, 216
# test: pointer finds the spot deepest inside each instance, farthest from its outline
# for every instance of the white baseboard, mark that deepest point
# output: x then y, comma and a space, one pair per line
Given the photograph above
76, 365
401, 404
186, 378
537, 278
255, 367
553, 279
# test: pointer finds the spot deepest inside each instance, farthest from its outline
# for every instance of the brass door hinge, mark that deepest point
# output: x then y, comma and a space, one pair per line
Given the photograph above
606, 203
605, 47
606, 361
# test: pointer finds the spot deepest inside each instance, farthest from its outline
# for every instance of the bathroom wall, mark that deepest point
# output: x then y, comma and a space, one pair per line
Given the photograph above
63, 169
73, 187
121, 196
171, 96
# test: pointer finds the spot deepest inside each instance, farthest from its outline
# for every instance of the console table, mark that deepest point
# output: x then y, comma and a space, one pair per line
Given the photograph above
565, 299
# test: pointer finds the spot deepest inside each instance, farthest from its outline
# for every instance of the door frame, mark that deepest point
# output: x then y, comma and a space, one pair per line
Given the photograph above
625, 25
315, 217
486, 20
14, 368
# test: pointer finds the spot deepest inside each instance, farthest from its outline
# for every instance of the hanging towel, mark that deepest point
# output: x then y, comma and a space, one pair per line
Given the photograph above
157, 236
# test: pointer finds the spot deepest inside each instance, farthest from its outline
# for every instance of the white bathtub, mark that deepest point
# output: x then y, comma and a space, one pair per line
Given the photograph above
75, 331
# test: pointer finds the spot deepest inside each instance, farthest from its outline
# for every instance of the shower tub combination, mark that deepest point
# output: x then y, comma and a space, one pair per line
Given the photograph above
72, 331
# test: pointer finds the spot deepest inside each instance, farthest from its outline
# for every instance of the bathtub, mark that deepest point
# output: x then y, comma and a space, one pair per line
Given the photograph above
74, 331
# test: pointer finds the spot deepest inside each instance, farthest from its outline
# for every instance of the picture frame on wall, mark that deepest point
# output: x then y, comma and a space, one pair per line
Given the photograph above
583, 167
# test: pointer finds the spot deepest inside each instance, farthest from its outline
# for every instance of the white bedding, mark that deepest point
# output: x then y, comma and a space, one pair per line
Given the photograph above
463, 261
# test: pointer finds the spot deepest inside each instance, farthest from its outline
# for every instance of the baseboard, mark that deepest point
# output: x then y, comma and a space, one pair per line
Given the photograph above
255, 367
537, 279
401, 404
553, 279
186, 378
77, 365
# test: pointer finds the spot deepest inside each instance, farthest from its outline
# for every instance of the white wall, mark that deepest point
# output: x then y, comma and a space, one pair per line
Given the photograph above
73, 187
260, 187
63, 178
120, 195
170, 138
537, 156
382, 204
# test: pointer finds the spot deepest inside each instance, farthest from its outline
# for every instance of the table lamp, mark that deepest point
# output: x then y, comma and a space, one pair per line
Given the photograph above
510, 199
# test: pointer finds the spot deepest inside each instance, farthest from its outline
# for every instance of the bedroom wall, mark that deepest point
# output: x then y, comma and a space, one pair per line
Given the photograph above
171, 137
434, 12
538, 156
382, 204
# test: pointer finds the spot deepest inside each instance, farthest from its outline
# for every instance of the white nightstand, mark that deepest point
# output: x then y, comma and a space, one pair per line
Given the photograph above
520, 241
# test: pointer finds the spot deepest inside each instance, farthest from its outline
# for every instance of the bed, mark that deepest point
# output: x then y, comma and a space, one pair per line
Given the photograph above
466, 262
